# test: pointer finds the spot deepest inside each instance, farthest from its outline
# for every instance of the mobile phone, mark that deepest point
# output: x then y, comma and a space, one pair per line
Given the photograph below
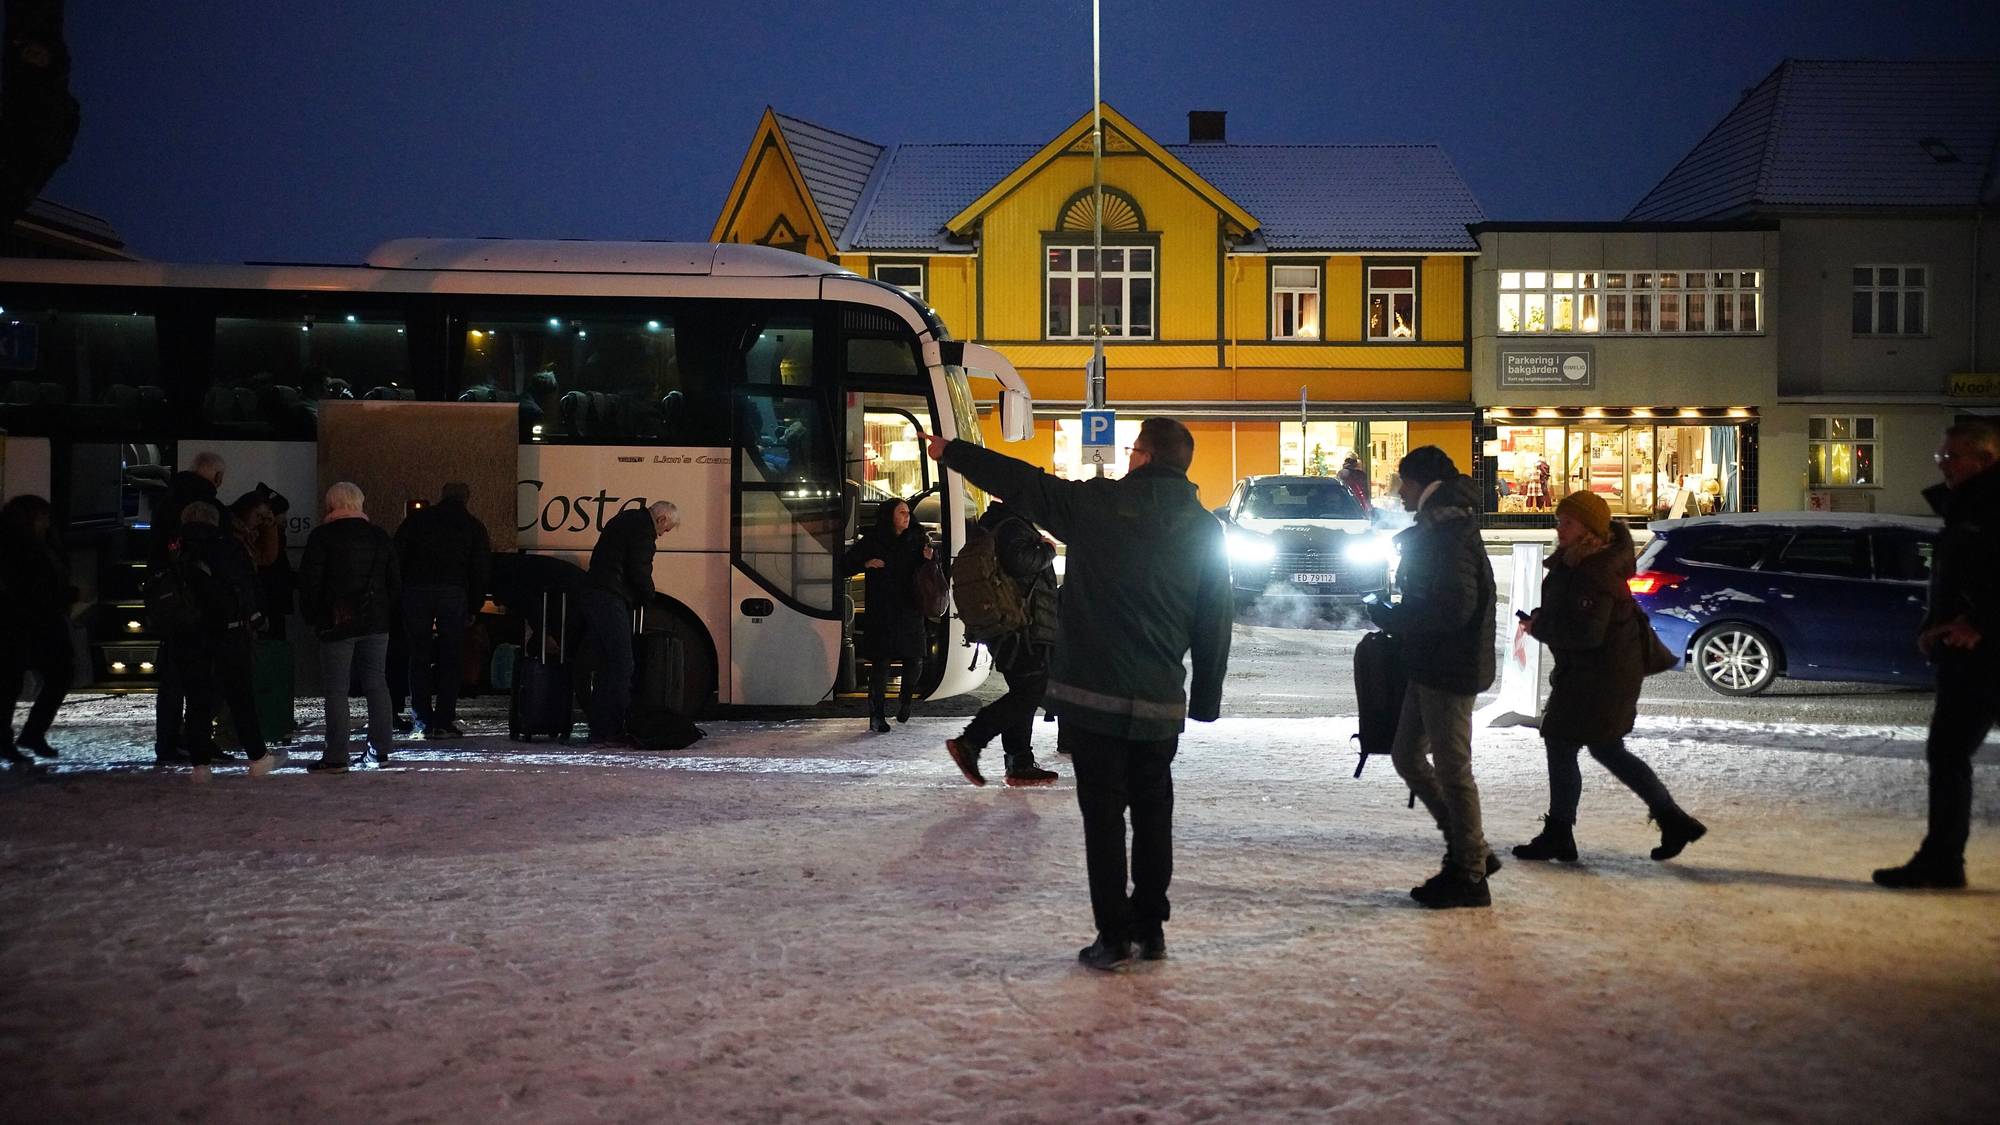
1369, 599
1522, 615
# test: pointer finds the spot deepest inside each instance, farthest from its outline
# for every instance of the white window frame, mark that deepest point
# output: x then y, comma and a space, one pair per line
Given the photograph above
917, 290
1369, 291
1125, 276
1875, 289
1529, 302
1850, 443
1295, 295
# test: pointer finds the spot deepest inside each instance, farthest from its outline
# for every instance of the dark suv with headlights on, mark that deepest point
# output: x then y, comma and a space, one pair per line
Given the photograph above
1303, 538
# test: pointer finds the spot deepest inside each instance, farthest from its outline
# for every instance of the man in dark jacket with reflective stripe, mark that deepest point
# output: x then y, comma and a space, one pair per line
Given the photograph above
1444, 620
446, 557
1029, 561
1147, 585
620, 581
1961, 636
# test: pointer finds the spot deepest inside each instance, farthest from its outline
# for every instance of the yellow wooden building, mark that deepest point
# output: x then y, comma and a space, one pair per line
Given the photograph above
1237, 278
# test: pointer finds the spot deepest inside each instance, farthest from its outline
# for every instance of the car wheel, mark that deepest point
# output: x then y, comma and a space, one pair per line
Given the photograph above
1736, 659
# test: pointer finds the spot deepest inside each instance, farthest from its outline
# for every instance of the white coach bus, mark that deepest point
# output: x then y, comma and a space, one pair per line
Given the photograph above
773, 397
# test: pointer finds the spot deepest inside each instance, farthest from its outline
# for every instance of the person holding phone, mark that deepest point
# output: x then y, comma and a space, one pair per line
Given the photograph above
1599, 637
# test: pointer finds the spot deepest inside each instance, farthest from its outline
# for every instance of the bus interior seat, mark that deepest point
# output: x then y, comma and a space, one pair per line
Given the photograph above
21, 392
389, 392
571, 411
484, 392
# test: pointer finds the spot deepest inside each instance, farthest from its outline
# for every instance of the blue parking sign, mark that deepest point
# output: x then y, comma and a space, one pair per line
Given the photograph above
1100, 427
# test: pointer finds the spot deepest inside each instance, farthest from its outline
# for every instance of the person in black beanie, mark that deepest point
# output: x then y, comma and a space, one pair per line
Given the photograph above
887, 557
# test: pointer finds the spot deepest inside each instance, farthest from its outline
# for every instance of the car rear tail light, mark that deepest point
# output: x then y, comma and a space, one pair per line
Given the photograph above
1653, 581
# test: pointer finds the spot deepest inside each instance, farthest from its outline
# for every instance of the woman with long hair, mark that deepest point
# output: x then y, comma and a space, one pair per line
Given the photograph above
34, 622
887, 556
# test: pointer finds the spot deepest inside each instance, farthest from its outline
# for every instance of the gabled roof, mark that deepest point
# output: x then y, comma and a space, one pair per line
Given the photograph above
1116, 129
1299, 197
1840, 134
834, 165
1344, 197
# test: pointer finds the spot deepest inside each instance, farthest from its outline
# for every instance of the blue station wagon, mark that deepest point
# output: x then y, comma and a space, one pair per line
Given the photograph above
1748, 598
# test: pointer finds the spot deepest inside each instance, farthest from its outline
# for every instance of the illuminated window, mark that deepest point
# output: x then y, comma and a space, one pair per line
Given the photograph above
1392, 302
1890, 300
1294, 302
1841, 451
1072, 292
1631, 302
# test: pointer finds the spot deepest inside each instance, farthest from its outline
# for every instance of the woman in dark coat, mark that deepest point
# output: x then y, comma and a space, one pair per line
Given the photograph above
1600, 639
888, 556
35, 597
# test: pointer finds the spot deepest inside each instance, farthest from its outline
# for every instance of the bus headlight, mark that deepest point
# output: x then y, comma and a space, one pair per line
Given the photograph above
1247, 548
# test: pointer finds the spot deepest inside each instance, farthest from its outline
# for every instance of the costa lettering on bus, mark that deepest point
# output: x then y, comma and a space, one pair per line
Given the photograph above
574, 513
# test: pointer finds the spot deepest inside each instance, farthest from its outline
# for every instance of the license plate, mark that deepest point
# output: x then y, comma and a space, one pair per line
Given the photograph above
1313, 579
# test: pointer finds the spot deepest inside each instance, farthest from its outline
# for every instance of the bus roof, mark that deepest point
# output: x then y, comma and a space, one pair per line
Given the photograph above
551, 255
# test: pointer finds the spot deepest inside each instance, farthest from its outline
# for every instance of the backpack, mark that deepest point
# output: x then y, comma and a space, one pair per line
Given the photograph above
990, 602
176, 597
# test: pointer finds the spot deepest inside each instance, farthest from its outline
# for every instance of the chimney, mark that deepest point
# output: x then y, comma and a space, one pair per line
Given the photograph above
1205, 126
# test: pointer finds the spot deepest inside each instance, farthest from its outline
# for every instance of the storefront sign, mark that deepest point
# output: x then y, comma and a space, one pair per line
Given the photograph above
1540, 367
1965, 384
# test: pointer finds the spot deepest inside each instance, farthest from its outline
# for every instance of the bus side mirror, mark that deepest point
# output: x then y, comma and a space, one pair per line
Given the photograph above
1017, 416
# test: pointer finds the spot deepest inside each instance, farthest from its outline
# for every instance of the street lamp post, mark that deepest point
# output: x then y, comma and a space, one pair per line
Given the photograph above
1094, 388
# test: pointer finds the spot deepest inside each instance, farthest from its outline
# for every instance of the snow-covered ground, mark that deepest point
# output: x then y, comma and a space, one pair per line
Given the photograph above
801, 921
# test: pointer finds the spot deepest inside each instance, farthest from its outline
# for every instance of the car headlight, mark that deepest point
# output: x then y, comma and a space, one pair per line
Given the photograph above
1371, 549
1246, 548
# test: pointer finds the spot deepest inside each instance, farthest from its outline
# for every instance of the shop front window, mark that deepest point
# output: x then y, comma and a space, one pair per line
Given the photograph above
1640, 470
1320, 452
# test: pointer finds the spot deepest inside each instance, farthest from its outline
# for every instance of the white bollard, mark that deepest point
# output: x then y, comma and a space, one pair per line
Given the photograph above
1520, 701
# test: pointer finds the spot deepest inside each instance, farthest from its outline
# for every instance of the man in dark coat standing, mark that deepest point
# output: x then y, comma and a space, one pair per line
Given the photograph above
447, 561
1029, 562
196, 484
1147, 585
1445, 623
217, 652
1961, 636
620, 581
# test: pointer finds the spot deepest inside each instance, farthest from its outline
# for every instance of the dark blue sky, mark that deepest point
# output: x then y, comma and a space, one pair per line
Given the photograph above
236, 130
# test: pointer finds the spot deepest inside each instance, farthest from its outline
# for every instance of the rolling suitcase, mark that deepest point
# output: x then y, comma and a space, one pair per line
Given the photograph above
660, 674
543, 702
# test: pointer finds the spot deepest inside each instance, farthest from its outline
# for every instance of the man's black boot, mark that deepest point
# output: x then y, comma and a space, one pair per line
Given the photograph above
1105, 954
1923, 872
1557, 840
1492, 862
1450, 889
1152, 943
1677, 831
966, 759
1023, 771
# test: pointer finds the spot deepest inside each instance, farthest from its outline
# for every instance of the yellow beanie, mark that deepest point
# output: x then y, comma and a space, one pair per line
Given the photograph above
1588, 509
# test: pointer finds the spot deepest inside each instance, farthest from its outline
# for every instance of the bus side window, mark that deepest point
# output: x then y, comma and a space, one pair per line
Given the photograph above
270, 373
78, 369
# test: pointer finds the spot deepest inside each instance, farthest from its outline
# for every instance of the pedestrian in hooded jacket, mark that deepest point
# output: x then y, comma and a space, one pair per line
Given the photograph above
887, 558
1600, 639
1146, 588
1445, 623
1961, 637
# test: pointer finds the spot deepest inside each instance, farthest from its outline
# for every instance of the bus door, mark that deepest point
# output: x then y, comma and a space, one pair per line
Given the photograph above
884, 461
785, 625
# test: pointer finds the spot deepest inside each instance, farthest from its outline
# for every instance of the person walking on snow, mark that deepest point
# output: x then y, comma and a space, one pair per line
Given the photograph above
1029, 562
1445, 624
1147, 587
1600, 638
1961, 637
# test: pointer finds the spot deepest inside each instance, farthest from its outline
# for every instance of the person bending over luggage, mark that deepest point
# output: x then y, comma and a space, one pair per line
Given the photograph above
1599, 637
1445, 624
887, 556
620, 581
348, 582
257, 519
35, 596
1145, 645
218, 650
447, 559
1026, 562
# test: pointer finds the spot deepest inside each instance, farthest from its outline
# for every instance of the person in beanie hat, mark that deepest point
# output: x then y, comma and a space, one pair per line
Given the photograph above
1600, 638
1445, 623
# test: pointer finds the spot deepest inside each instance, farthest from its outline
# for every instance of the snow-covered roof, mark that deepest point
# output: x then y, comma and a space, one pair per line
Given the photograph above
835, 165
558, 255
1843, 133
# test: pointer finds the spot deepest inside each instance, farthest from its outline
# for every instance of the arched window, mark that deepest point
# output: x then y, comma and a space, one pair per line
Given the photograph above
1129, 270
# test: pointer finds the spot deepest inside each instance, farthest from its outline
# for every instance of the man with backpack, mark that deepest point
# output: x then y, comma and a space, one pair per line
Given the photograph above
1004, 585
